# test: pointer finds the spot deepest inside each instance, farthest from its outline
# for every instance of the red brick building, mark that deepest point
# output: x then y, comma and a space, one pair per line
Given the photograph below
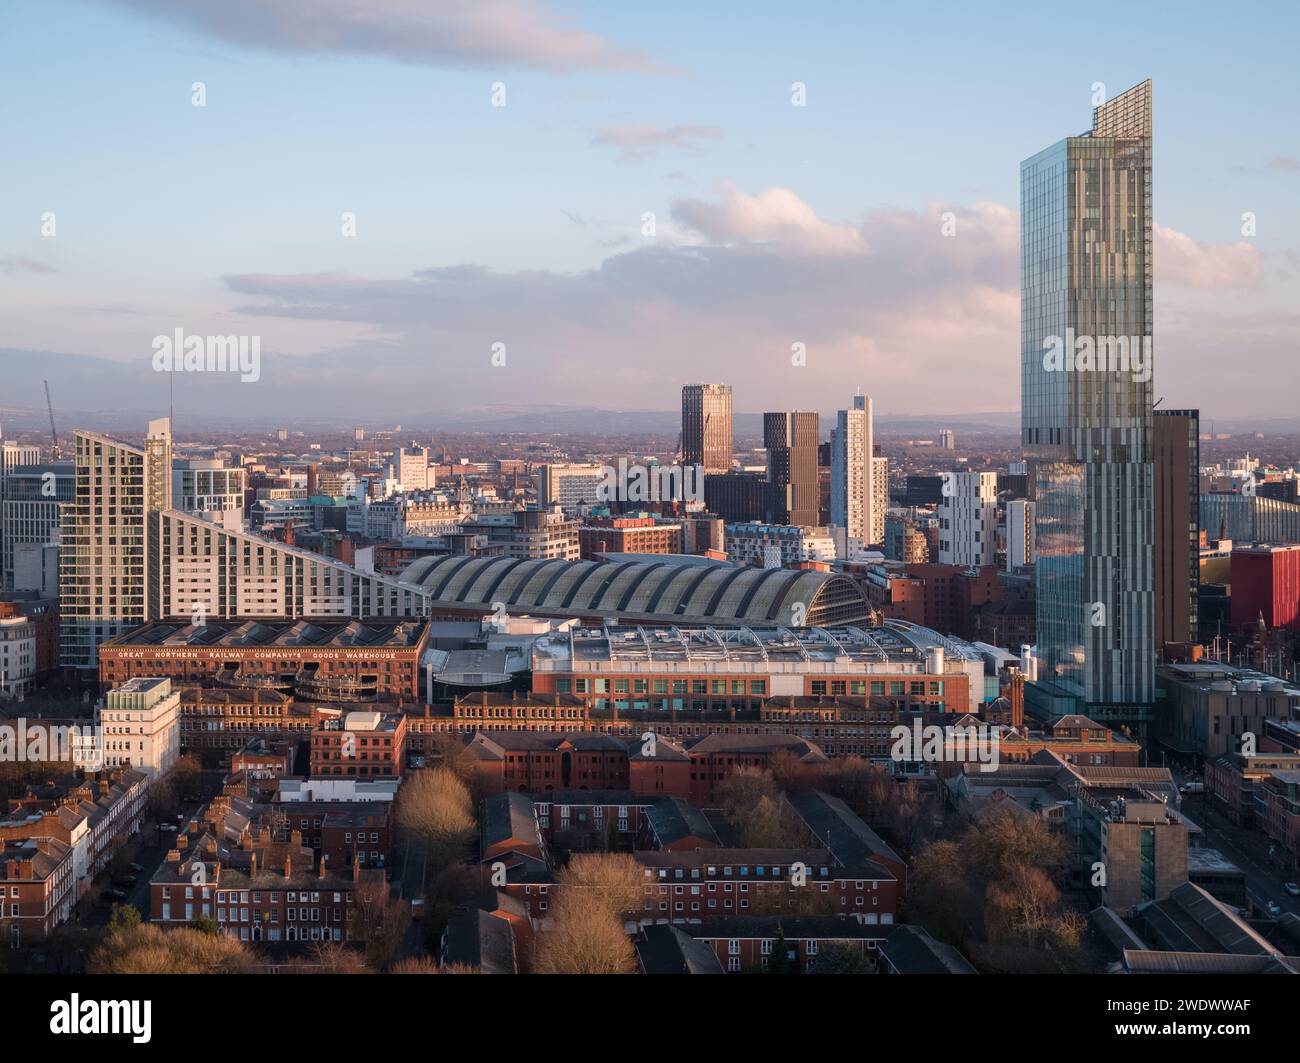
37, 888
318, 660
261, 891
749, 944
628, 535
710, 884
360, 744
340, 832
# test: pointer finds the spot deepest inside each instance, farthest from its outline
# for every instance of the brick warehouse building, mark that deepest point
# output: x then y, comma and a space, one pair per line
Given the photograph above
840, 725
332, 661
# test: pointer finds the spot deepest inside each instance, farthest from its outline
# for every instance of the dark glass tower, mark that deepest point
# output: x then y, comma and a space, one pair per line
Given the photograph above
1086, 419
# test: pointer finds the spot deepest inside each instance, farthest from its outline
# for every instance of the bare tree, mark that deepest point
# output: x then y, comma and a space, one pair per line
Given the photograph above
379, 921
585, 937
147, 949
435, 805
616, 880
428, 965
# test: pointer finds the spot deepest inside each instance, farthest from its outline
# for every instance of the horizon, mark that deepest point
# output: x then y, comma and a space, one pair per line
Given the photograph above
347, 197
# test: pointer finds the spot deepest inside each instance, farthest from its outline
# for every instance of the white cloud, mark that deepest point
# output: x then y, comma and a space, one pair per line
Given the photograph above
643, 140
443, 33
1181, 260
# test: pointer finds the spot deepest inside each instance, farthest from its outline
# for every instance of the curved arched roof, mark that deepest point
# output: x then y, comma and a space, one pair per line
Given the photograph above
673, 590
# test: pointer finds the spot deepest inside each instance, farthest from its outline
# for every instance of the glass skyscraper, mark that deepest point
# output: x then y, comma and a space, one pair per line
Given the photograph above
1086, 419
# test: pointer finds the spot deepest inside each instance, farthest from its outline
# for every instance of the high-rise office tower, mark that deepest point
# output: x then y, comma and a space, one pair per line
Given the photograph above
1176, 435
853, 496
1086, 327
706, 426
791, 442
968, 519
108, 558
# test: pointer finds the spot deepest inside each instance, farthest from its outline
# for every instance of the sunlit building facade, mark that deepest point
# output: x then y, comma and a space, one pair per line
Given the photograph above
1086, 414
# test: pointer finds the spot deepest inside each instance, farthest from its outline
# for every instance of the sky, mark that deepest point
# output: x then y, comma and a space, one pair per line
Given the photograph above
582, 204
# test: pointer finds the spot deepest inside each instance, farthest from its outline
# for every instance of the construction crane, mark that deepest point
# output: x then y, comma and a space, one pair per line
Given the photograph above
54, 435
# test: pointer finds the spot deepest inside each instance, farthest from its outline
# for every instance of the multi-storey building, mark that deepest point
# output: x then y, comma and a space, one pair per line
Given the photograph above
17, 655
628, 535
569, 486
411, 469
968, 519
1266, 584
656, 671
140, 726
840, 726
37, 888
341, 833
95, 816
107, 570
271, 890
791, 442
706, 426
206, 571
329, 661
206, 485
1136, 838
361, 745
853, 468
777, 545
879, 497
1086, 424
1020, 534
29, 510
528, 533
1177, 524
227, 719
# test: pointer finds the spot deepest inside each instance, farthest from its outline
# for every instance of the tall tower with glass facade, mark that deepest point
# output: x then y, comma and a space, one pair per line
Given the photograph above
1086, 418
706, 426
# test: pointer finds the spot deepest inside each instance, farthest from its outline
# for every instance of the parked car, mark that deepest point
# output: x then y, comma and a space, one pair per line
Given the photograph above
136, 867
117, 895
1274, 909
1292, 888
125, 882
1192, 788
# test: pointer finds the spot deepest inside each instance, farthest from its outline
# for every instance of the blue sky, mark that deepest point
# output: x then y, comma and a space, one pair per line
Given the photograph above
774, 224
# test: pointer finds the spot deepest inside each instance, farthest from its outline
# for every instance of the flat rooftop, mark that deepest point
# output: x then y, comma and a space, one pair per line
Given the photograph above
893, 643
